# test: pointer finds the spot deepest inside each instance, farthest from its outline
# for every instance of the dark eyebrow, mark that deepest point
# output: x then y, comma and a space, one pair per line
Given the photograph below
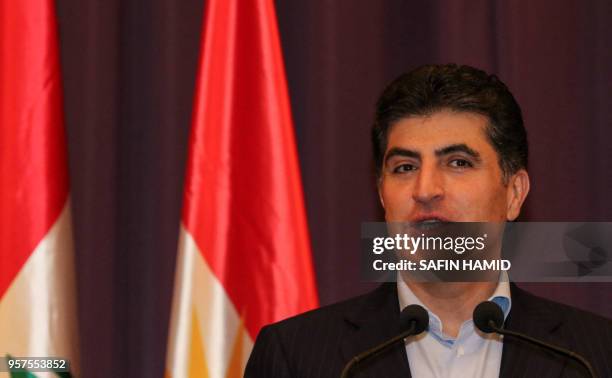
458, 148
396, 151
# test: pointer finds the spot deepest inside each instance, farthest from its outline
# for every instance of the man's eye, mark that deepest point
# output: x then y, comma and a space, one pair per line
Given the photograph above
460, 163
404, 168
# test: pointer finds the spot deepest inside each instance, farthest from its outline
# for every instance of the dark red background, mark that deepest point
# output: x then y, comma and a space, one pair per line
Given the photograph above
129, 70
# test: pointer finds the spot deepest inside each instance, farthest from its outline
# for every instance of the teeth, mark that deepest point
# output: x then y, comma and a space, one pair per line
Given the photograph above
430, 221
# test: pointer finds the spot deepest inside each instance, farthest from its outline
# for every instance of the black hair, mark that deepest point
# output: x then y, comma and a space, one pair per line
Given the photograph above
434, 88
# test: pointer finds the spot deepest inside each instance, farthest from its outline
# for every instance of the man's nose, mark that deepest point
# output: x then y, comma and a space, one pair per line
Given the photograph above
428, 187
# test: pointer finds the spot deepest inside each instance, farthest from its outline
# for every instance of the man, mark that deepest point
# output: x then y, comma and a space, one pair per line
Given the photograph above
449, 146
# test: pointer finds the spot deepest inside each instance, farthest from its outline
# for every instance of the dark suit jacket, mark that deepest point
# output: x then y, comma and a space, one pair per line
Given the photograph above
319, 343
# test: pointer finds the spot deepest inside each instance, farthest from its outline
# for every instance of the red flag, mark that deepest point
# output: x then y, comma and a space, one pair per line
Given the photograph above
37, 308
243, 210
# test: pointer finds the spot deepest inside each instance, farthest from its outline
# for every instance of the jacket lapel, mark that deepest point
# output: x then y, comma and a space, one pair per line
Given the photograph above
532, 317
373, 323
378, 320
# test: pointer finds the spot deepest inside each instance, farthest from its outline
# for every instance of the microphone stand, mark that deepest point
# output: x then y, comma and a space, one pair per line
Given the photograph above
537, 342
377, 349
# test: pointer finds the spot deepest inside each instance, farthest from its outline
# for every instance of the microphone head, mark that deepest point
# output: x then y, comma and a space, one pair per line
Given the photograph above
484, 313
414, 316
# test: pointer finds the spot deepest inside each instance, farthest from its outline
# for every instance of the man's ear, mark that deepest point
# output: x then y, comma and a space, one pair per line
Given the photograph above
518, 188
379, 190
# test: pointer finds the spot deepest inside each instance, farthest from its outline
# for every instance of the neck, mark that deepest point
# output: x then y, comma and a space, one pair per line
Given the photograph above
452, 302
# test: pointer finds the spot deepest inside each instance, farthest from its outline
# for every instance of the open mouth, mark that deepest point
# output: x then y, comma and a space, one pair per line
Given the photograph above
427, 224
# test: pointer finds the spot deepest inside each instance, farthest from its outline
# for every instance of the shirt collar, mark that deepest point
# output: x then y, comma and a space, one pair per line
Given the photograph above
500, 296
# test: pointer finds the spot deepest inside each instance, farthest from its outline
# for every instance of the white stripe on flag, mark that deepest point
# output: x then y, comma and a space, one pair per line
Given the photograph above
38, 311
197, 289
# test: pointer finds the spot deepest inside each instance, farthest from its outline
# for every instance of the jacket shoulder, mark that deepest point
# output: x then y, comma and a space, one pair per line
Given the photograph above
586, 333
568, 314
310, 343
332, 313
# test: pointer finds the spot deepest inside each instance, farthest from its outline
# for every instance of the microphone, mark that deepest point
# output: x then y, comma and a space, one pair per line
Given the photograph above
414, 319
489, 318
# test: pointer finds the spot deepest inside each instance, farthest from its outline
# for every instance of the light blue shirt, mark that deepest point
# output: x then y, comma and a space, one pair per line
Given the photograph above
472, 354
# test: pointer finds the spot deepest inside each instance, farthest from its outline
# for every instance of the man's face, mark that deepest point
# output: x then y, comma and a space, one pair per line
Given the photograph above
442, 167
